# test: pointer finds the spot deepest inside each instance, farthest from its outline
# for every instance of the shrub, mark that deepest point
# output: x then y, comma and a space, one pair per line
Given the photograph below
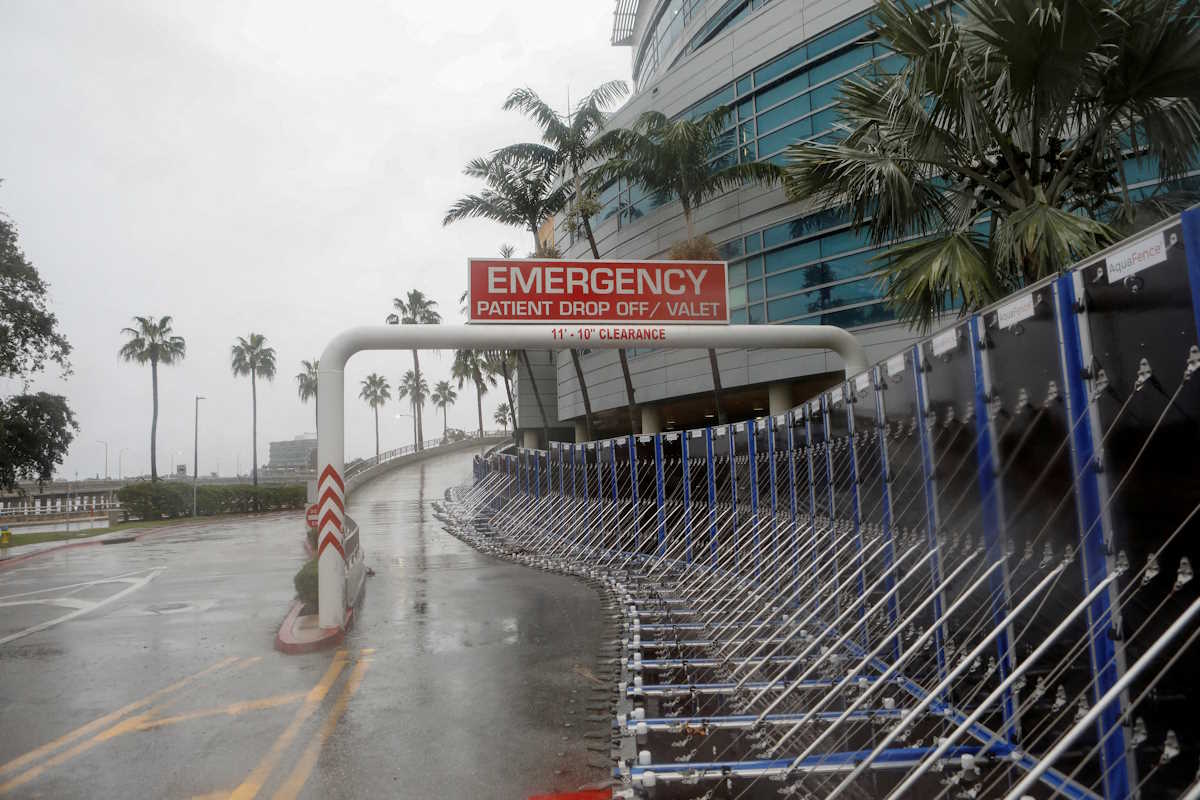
306, 584
154, 500
699, 249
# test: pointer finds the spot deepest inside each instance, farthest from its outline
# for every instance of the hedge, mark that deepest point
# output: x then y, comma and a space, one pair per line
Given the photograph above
158, 499
306, 584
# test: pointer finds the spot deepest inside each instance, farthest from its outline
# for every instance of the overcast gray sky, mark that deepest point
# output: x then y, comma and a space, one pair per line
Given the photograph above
279, 167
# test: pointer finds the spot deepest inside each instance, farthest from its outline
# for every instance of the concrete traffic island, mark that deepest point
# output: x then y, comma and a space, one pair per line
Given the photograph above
302, 633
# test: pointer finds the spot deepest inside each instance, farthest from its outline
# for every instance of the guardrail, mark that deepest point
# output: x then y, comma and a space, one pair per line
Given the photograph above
367, 464
963, 572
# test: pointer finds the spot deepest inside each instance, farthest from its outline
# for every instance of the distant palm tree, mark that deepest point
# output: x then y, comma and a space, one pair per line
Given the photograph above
416, 389
251, 356
503, 364
470, 365
376, 392
501, 415
153, 341
306, 385
443, 397
417, 309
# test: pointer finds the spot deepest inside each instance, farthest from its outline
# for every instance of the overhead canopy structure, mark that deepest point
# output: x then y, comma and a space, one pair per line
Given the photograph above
331, 393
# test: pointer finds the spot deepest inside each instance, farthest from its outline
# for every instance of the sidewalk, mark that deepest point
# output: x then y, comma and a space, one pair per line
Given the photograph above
23, 551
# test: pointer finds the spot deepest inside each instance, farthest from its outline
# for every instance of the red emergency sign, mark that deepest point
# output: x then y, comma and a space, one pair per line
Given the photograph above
542, 290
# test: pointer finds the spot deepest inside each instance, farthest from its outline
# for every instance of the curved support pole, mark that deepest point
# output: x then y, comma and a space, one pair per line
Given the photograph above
331, 492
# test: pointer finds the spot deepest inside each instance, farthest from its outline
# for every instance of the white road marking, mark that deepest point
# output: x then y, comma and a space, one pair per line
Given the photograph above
120, 577
134, 585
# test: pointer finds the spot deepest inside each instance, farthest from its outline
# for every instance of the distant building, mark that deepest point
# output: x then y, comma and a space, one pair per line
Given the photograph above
295, 454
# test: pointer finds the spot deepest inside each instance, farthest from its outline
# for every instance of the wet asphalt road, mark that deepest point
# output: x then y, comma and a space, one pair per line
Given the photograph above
149, 670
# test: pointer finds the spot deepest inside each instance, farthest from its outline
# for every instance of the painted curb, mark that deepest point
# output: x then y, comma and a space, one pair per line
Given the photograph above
285, 643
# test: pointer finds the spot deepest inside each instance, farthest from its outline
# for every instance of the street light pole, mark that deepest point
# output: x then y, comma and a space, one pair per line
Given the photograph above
101, 441
121, 463
196, 452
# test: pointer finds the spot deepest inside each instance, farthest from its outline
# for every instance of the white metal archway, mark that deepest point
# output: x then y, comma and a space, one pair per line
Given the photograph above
331, 392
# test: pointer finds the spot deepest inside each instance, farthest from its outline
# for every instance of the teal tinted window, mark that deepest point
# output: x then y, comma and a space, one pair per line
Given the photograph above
823, 120
796, 107
780, 65
737, 273
738, 316
846, 240
780, 159
754, 267
727, 160
743, 86
777, 234
754, 291
749, 152
737, 296
840, 63
853, 265
785, 136
824, 95
890, 65
720, 98
782, 91
757, 317
863, 315
792, 255
746, 110
827, 42
730, 250
754, 243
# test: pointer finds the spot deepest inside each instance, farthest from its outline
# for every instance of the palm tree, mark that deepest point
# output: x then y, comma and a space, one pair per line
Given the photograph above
306, 386
153, 341
503, 363
501, 415
569, 144
470, 365
376, 392
416, 389
518, 192
1000, 143
443, 397
251, 356
672, 159
417, 309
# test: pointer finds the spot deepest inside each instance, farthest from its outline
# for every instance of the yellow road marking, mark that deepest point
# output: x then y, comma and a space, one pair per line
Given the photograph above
211, 796
304, 767
100, 722
254, 782
231, 710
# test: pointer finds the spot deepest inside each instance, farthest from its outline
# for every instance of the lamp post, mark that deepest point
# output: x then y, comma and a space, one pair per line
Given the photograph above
196, 452
101, 441
121, 463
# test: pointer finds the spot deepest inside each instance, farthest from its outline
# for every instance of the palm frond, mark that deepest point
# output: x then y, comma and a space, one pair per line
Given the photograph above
926, 277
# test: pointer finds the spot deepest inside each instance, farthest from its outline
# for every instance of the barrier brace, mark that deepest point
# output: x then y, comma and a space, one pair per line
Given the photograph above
964, 572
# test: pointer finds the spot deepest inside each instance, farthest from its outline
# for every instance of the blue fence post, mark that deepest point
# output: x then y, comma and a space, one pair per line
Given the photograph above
992, 518
885, 499
616, 498
631, 441
790, 418
832, 501
771, 484
737, 528
1106, 660
712, 494
659, 496
809, 410
752, 461
587, 502
856, 506
686, 465
932, 520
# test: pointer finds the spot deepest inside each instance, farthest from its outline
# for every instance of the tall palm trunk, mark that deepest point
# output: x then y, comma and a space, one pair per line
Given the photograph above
154, 421
716, 373
376, 408
587, 403
536, 396
479, 404
254, 424
445, 423
634, 422
420, 435
512, 406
